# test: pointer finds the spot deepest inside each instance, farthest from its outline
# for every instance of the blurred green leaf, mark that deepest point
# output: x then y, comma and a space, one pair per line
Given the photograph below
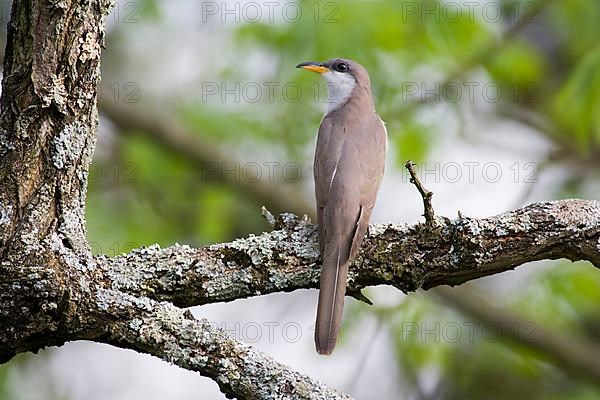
411, 142
578, 101
518, 63
149, 9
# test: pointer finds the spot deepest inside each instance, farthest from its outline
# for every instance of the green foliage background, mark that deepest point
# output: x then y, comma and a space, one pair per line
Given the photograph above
143, 193
556, 49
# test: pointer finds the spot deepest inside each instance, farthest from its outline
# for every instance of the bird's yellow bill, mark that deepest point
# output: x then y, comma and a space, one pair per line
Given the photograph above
319, 69
315, 68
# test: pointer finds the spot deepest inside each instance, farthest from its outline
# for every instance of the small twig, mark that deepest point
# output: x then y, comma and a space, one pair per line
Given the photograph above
425, 194
358, 295
268, 216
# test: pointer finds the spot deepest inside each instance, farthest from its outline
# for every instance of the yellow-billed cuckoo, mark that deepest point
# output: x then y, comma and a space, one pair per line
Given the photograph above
348, 168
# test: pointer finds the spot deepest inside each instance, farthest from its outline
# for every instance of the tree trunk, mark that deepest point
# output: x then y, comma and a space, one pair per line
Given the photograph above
47, 137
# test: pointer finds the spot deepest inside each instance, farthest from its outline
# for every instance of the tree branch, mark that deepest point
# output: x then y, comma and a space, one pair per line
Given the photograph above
174, 335
406, 257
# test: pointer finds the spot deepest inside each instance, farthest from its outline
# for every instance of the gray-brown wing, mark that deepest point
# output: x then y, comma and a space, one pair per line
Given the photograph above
372, 148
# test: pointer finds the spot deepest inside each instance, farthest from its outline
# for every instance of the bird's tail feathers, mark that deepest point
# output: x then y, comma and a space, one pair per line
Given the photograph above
331, 300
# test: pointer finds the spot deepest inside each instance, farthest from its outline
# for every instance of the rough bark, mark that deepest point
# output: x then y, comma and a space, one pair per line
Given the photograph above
406, 257
173, 335
52, 289
47, 135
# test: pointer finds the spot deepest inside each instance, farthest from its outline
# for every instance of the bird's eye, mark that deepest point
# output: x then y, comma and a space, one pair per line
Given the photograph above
341, 67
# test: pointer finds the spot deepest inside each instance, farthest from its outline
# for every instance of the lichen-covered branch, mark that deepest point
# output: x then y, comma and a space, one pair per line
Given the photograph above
174, 335
407, 257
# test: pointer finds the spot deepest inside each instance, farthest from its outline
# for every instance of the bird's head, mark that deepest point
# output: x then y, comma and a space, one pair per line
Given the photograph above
342, 76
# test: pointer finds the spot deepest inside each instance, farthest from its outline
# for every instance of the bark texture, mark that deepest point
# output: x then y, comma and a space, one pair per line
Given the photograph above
406, 257
53, 290
47, 135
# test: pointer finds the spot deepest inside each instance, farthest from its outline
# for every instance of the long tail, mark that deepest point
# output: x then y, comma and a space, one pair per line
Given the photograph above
331, 300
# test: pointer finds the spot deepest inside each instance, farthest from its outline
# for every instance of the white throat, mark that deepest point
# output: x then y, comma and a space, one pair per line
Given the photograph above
339, 89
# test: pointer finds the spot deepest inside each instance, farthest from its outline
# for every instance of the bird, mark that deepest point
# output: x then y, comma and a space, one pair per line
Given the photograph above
348, 167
